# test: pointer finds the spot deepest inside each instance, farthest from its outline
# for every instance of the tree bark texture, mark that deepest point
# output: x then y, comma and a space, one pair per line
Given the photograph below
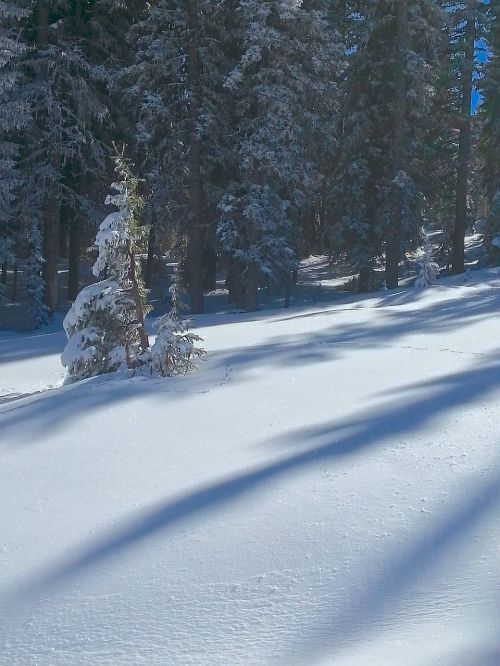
148, 273
74, 259
136, 297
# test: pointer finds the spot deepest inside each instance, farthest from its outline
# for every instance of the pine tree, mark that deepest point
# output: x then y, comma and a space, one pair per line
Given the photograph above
439, 153
178, 79
387, 103
429, 269
464, 36
174, 351
14, 117
63, 147
490, 139
283, 83
105, 325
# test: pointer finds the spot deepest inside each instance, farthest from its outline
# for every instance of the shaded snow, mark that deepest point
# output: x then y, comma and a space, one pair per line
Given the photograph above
326, 490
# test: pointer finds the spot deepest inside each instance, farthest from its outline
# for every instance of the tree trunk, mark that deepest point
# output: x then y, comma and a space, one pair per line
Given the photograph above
209, 258
252, 292
196, 184
64, 231
364, 280
393, 246
50, 268
74, 259
51, 206
458, 258
288, 288
14, 281
136, 297
148, 273
42, 21
234, 284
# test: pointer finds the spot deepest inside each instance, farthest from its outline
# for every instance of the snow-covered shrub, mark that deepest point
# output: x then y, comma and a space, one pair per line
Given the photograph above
429, 269
174, 351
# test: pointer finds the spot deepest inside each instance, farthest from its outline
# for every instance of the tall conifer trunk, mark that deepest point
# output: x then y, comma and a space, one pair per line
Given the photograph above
196, 183
51, 207
135, 293
74, 259
74, 249
393, 246
457, 260
148, 273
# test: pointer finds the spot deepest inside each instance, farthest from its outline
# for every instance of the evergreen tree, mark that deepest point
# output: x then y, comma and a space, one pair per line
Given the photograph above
14, 117
464, 36
490, 139
387, 103
178, 78
466, 32
440, 151
174, 351
63, 149
429, 269
105, 325
281, 87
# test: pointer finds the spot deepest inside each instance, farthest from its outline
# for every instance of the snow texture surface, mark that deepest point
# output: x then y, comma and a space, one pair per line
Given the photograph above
325, 490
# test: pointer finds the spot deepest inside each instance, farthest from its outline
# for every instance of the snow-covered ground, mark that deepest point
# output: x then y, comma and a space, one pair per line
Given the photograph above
326, 490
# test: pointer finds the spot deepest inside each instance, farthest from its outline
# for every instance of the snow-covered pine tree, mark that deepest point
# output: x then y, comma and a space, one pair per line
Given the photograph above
388, 90
429, 269
490, 139
439, 151
174, 351
105, 325
14, 117
280, 88
464, 19
181, 63
63, 147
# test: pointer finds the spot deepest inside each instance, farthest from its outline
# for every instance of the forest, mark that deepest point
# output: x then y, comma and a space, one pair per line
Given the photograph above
249, 315
255, 133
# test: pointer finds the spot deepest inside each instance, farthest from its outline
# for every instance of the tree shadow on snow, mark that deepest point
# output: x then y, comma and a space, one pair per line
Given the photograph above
437, 318
386, 595
28, 420
331, 442
23, 346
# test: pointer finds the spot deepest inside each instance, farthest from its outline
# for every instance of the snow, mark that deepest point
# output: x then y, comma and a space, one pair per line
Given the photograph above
76, 350
30, 362
325, 490
102, 295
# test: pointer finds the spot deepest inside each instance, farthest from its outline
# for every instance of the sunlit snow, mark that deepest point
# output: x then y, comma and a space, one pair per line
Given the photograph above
325, 490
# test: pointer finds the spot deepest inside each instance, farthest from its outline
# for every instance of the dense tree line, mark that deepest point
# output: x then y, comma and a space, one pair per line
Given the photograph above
260, 130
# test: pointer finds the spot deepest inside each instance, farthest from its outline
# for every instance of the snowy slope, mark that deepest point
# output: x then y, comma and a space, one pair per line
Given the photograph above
326, 490
30, 362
